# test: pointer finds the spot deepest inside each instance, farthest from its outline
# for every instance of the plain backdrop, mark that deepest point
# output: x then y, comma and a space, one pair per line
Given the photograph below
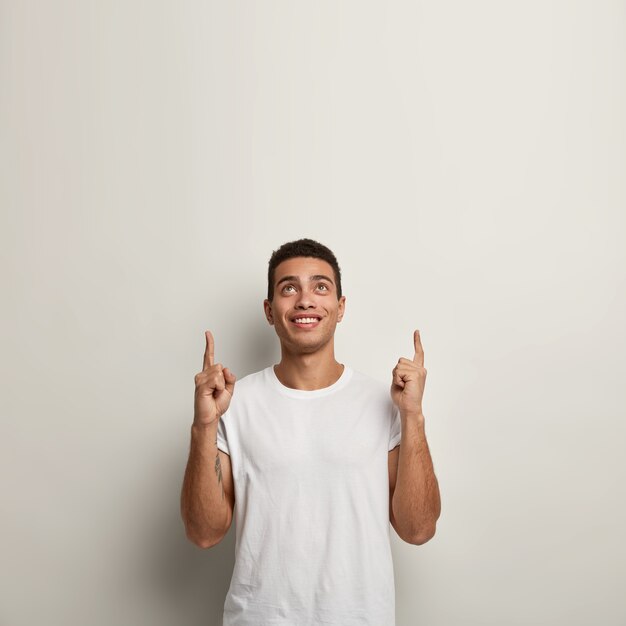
466, 163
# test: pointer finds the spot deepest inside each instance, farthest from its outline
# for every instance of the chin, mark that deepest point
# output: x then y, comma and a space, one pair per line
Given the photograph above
301, 347
314, 346
309, 349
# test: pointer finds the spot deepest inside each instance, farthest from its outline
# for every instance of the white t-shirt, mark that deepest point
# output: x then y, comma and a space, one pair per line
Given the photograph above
310, 470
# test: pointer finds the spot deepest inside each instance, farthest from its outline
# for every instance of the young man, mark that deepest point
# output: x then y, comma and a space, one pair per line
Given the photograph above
312, 450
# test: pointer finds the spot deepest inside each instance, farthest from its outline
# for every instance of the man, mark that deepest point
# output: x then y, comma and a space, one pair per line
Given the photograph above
312, 450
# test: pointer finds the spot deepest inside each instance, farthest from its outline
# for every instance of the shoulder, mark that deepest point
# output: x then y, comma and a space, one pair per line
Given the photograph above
252, 381
369, 384
248, 389
361, 378
375, 393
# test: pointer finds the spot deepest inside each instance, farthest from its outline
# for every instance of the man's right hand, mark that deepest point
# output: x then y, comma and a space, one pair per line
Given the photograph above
214, 388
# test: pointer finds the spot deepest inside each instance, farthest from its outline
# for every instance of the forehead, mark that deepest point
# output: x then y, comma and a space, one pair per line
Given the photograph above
303, 267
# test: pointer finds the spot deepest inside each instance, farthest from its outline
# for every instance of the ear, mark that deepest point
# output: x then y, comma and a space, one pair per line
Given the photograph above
342, 308
267, 307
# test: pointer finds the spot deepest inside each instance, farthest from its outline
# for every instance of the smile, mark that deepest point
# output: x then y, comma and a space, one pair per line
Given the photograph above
306, 322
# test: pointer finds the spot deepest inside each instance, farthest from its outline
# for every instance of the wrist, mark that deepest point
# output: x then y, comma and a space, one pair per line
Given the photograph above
413, 430
413, 416
201, 429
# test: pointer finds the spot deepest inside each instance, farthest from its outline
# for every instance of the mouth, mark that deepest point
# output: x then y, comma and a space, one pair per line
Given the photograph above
306, 322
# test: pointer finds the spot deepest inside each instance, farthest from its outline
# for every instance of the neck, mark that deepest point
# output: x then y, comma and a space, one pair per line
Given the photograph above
309, 372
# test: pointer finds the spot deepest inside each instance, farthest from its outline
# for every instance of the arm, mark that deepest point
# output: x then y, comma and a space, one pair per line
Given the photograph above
415, 503
207, 498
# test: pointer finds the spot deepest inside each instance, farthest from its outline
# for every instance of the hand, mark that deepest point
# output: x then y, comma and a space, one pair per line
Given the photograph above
409, 377
214, 388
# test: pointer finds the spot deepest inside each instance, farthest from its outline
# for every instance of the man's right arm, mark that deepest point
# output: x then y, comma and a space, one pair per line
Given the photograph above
207, 499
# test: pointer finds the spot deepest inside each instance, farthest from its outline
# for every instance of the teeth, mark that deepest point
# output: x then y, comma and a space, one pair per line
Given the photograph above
306, 320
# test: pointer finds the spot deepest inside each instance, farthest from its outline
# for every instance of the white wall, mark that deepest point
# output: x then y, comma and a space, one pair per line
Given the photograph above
464, 160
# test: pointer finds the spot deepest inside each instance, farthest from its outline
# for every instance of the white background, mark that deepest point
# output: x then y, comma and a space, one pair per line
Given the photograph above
466, 163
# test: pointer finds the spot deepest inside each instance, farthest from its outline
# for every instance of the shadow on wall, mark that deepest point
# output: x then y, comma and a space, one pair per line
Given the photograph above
191, 583
251, 343
170, 581
193, 579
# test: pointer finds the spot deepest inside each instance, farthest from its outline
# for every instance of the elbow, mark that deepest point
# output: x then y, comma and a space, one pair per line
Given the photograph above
202, 534
425, 535
204, 542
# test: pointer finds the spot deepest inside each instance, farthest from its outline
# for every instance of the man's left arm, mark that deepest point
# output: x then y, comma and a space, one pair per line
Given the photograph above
415, 502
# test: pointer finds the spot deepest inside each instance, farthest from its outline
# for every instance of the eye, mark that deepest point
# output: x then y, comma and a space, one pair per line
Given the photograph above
323, 285
287, 286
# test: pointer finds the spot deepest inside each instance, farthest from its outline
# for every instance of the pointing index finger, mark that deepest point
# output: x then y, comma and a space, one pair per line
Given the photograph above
419, 351
208, 352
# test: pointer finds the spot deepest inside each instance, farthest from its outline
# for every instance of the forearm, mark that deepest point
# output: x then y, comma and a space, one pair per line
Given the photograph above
416, 500
204, 507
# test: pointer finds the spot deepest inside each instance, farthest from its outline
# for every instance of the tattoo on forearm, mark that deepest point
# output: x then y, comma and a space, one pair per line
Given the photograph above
218, 470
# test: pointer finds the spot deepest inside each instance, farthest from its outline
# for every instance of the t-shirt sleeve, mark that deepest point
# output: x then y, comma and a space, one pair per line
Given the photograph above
222, 438
395, 428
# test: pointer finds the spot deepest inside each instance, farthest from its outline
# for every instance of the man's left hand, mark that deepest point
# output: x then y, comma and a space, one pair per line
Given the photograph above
409, 378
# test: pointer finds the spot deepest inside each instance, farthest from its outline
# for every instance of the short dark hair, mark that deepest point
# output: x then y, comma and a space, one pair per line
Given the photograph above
301, 247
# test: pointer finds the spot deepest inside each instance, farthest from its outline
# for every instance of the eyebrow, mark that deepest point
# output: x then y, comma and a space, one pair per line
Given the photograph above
311, 278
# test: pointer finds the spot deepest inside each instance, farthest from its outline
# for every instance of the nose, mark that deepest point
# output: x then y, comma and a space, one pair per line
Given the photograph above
305, 300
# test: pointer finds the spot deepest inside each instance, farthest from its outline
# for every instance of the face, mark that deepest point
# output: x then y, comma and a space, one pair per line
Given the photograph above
305, 309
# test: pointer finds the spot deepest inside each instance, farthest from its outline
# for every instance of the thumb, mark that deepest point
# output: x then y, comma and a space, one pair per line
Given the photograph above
230, 379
